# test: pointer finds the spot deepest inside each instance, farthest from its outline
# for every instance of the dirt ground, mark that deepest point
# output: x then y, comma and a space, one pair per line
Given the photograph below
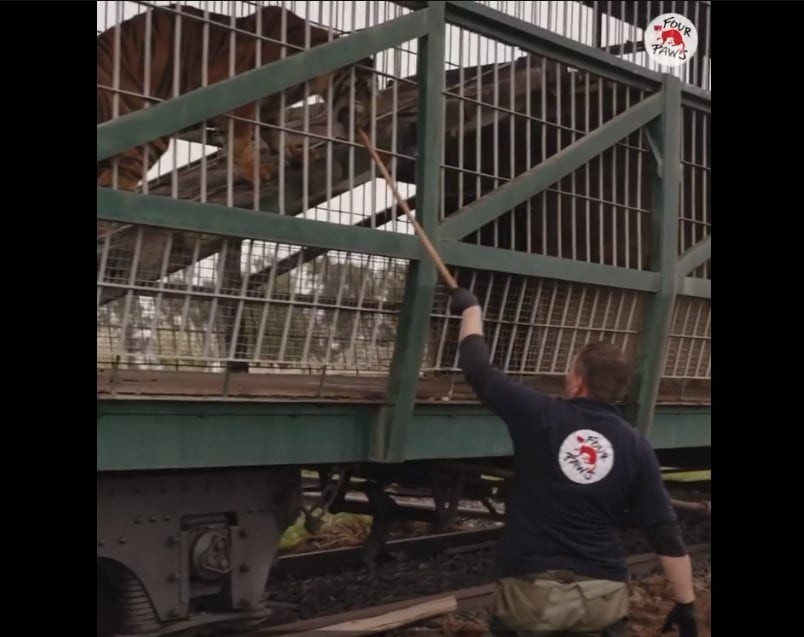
651, 600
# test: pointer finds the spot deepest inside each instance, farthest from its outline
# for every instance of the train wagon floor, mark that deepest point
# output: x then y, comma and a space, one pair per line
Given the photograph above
278, 386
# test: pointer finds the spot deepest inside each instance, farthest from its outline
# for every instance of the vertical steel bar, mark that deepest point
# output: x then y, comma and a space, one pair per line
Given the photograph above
155, 329
269, 291
664, 239
122, 344
501, 315
528, 150
185, 309
515, 327
683, 338
629, 326
704, 343
389, 432
531, 326
695, 340
358, 316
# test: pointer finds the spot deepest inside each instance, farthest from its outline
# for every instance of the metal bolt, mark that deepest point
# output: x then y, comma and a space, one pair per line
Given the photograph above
138, 520
166, 517
245, 568
224, 563
101, 543
152, 518
243, 533
121, 540
172, 577
173, 540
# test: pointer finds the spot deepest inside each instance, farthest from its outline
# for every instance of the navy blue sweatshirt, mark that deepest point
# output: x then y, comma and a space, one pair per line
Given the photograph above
579, 468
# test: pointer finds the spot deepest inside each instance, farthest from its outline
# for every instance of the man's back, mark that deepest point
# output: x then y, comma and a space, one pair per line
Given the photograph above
576, 469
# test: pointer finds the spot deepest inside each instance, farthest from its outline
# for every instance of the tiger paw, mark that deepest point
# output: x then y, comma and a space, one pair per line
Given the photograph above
265, 174
294, 151
124, 181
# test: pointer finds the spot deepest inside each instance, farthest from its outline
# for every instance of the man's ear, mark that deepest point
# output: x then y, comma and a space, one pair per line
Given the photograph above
575, 385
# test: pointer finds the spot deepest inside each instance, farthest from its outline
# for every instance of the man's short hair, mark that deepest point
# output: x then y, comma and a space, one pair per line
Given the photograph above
604, 370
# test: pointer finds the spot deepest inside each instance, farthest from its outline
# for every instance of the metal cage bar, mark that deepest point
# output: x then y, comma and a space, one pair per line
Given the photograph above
667, 134
394, 417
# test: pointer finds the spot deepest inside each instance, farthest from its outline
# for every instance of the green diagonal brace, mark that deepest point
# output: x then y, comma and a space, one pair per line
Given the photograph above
695, 256
204, 103
208, 218
699, 288
529, 184
664, 242
469, 255
389, 431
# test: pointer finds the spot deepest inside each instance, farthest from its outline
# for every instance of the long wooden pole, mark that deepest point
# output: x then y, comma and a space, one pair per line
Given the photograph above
442, 269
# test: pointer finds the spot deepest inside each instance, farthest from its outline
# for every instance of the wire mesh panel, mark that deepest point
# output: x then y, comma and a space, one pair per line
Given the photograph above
183, 302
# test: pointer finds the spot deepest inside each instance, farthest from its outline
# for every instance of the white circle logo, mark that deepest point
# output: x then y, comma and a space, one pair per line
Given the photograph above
670, 39
586, 456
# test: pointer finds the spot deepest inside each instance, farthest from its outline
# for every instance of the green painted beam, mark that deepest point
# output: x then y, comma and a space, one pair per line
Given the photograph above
515, 32
395, 416
690, 286
167, 117
191, 216
664, 239
468, 255
697, 255
681, 427
527, 185
473, 432
150, 435
172, 435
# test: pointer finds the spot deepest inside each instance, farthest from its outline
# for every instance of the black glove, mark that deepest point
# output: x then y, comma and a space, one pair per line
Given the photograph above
683, 616
462, 299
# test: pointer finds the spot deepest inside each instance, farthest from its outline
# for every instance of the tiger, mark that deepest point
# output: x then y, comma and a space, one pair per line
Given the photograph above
131, 166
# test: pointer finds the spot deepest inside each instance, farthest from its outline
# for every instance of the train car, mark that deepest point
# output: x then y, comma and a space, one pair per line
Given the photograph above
266, 312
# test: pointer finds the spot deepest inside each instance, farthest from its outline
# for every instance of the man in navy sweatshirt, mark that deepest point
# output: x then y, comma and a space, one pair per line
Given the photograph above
579, 470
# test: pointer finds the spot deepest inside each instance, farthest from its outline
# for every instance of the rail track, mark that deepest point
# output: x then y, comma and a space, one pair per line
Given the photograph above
386, 617
322, 561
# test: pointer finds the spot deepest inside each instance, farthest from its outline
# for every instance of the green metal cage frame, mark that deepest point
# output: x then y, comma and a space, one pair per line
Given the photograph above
389, 432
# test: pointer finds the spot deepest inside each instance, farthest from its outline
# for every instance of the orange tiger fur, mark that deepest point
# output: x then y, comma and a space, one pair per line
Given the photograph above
131, 167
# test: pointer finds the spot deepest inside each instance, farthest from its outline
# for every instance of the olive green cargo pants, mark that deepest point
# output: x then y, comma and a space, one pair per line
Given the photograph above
556, 603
